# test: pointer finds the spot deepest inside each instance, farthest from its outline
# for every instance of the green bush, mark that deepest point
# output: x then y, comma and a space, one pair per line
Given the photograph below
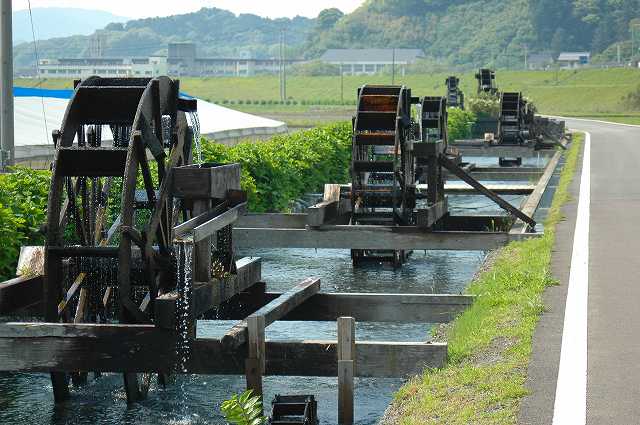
11, 240
23, 202
485, 105
276, 171
460, 123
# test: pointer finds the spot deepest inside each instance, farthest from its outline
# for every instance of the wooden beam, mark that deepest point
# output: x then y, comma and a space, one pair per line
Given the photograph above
20, 293
275, 310
275, 220
365, 307
531, 203
497, 151
206, 296
43, 347
454, 168
369, 237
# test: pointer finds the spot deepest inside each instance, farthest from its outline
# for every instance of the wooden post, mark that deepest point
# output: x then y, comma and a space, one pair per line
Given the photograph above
202, 249
346, 369
255, 363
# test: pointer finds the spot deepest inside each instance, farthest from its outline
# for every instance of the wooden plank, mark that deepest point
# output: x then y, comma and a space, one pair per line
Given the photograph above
42, 347
275, 310
369, 237
365, 307
531, 204
427, 217
504, 151
82, 306
71, 292
206, 296
20, 293
208, 228
277, 220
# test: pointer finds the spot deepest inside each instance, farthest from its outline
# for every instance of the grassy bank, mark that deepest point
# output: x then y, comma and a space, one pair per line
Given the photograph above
490, 344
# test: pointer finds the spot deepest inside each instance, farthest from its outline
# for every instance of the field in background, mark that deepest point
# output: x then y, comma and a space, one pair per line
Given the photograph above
586, 93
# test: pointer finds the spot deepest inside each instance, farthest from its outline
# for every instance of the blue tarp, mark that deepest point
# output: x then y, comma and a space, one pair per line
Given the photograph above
35, 92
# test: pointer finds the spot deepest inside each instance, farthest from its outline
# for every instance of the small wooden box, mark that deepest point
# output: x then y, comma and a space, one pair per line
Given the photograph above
205, 181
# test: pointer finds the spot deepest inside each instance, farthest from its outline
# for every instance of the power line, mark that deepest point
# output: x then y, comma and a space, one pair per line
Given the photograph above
35, 50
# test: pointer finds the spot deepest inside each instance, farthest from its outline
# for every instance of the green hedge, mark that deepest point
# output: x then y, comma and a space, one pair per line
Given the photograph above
285, 167
23, 201
459, 123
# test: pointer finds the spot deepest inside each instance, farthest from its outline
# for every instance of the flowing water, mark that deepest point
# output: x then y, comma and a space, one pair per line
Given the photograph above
193, 399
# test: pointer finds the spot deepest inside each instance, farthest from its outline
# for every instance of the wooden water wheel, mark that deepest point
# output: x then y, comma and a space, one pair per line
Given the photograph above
382, 167
111, 215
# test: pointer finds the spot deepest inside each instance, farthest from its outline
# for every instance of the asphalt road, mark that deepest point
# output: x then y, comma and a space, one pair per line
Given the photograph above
613, 331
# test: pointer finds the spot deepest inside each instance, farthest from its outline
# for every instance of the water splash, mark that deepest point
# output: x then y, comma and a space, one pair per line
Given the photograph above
194, 120
184, 321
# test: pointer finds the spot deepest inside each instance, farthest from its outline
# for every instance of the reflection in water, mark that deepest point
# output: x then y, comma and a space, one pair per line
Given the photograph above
196, 399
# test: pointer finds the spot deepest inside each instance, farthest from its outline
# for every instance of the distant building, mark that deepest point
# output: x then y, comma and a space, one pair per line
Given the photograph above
182, 60
574, 59
105, 67
371, 61
539, 60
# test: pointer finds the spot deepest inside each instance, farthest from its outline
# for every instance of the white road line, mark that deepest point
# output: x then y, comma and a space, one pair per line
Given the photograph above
591, 120
571, 389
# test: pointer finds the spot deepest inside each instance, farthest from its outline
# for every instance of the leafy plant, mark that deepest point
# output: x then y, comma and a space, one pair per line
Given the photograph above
460, 123
243, 409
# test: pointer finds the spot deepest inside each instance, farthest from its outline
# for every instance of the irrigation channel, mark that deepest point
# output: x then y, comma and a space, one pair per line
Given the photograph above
124, 290
195, 399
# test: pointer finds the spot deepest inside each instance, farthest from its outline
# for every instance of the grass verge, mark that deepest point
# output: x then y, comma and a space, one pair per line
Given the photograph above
490, 343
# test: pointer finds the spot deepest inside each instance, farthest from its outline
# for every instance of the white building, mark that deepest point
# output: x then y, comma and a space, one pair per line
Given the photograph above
104, 67
574, 59
371, 61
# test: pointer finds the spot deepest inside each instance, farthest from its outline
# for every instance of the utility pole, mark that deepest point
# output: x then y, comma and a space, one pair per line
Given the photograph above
7, 149
618, 46
393, 67
280, 68
284, 64
341, 85
526, 56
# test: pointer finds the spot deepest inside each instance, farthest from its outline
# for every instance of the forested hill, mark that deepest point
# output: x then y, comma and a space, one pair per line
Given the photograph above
451, 32
483, 31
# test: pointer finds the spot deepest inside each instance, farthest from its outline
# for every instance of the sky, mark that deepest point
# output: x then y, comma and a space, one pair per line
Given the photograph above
150, 8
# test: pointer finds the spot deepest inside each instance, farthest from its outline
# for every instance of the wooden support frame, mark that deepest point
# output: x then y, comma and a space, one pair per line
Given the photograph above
275, 310
144, 348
